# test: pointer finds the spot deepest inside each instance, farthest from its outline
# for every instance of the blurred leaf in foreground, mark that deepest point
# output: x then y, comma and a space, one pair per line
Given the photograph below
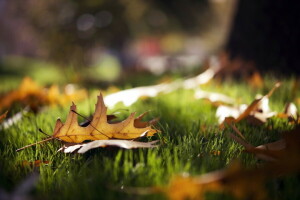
236, 180
241, 182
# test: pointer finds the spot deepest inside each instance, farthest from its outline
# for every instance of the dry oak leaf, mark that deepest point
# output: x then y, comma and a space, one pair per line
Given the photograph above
99, 128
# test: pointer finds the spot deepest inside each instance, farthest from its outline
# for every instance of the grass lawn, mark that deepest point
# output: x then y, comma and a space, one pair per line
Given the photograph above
189, 137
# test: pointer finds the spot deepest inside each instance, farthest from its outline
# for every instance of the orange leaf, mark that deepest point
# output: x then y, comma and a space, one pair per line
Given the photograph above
99, 128
235, 180
31, 94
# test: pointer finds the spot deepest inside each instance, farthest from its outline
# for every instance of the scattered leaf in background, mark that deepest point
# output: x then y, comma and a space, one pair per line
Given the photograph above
224, 112
32, 95
256, 80
202, 78
255, 113
14, 119
291, 110
126, 144
215, 98
291, 113
54, 96
130, 96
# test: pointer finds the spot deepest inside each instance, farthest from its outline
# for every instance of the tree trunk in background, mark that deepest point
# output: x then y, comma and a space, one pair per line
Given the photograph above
266, 33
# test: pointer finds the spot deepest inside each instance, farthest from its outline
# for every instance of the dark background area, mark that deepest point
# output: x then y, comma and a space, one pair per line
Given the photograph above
157, 36
267, 33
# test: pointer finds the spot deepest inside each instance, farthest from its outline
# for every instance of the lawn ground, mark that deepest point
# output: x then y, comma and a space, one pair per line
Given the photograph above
190, 137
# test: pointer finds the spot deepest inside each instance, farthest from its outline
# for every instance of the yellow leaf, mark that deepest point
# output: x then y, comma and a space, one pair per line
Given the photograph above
31, 94
99, 128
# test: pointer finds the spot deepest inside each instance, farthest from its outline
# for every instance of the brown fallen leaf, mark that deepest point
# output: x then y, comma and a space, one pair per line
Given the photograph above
258, 104
55, 96
267, 152
31, 94
256, 113
280, 150
226, 112
126, 144
99, 128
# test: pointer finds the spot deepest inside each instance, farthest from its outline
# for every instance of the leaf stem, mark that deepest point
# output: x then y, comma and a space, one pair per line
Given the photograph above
40, 130
45, 140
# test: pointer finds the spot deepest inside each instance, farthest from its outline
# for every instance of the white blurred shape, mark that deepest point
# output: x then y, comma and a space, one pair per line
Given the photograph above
85, 22
213, 97
291, 110
226, 111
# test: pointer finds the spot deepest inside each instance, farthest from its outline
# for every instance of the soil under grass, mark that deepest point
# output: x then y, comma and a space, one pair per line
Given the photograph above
189, 136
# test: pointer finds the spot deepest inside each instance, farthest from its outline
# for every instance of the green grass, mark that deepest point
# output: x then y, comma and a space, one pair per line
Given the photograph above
189, 133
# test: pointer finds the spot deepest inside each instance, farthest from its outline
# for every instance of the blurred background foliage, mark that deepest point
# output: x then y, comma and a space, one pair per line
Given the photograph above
100, 39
